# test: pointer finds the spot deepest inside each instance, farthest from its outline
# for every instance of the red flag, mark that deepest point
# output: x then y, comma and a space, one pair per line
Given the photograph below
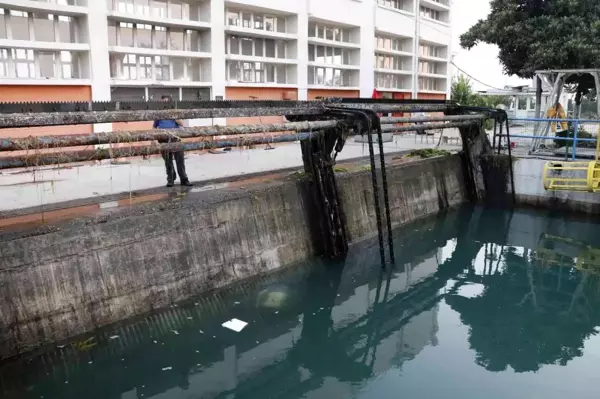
376, 94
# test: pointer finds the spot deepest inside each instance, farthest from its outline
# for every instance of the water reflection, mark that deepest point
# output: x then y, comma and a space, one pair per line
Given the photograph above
334, 330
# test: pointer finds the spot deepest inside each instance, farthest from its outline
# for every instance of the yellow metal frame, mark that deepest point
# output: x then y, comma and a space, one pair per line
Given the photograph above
588, 259
590, 183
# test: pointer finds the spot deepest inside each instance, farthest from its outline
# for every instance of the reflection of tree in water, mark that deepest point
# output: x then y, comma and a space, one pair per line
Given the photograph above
529, 316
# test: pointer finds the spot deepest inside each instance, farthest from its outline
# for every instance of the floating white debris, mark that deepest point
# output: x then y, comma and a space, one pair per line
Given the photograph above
155, 341
60, 346
175, 332
277, 312
190, 318
90, 362
257, 342
113, 337
201, 332
197, 351
66, 382
195, 303
167, 368
321, 308
236, 303
235, 325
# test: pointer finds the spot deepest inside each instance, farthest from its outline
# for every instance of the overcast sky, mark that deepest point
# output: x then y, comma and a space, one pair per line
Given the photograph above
481, 62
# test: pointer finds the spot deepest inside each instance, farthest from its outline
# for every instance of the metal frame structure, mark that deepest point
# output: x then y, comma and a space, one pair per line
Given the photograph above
322, 127
556, 79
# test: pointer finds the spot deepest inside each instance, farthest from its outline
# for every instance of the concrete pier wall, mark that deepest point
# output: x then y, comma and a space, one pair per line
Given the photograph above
530, 191
69, 279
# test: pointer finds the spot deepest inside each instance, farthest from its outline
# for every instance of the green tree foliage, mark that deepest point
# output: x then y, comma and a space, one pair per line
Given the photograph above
462, 92
542, 34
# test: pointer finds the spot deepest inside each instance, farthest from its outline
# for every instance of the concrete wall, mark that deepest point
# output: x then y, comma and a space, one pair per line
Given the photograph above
73, 278
530, 190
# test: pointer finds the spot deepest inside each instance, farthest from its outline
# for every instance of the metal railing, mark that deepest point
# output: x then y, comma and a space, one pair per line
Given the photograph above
565, 138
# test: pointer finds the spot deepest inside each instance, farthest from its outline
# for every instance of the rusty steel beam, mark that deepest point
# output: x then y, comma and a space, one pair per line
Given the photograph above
153, 149
80, 118
31, 143
408, 108
443, 118
431, 126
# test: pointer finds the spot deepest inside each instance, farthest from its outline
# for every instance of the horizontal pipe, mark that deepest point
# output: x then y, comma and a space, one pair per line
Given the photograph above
153, 149
431, 126
520, 136
29, 143
80, 118
554, 120
445, 118
408, 108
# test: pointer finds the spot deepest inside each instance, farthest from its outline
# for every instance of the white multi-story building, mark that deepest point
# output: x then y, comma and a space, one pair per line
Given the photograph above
209, 49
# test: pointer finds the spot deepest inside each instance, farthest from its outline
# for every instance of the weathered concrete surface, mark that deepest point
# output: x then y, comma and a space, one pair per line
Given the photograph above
85, 274
529, 190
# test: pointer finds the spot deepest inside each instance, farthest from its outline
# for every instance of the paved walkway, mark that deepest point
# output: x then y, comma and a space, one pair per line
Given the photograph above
21, 189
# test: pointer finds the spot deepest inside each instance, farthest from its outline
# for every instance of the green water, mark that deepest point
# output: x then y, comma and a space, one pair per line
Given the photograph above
481, 304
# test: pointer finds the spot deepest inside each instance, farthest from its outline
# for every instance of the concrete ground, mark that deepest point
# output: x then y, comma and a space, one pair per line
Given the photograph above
28, 188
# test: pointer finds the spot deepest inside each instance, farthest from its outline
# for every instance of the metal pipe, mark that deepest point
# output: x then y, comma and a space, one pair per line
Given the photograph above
443, 118
29, 143
102, 153
432, 126
80, 118
408, 108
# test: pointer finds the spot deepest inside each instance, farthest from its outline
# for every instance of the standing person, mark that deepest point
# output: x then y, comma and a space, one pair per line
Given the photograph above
169, 155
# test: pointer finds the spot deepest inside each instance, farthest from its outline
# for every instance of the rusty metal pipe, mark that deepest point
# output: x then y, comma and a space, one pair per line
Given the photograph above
431, 126
102, 153
408, 107
443, 118
80, 118
30, 143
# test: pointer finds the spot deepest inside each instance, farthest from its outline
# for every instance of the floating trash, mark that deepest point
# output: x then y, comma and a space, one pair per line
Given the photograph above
175, 332
167, 368
235, 325
113, 337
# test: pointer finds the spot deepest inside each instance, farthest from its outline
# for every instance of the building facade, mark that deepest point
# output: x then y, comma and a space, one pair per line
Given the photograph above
105, 50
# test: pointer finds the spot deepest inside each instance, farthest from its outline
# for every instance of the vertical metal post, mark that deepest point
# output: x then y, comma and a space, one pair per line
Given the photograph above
500, 136
510, 160
494, 136
575, 130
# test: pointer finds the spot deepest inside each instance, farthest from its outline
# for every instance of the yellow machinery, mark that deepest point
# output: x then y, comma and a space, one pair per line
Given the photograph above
587, 258
573, 176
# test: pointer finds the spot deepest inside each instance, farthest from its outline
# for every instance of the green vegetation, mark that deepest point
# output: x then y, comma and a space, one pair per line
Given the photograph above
339, 169
427, 153
581, 134
542, 34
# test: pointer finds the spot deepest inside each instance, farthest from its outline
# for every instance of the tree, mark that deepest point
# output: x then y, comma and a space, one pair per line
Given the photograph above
462, 92
542, 34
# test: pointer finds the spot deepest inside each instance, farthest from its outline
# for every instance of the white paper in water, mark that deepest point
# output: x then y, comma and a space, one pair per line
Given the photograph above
235, 325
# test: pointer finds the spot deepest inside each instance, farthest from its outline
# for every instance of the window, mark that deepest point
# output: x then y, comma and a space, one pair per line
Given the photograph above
162, 67
24, 63
145, 67
126, 34
179, 68
46, 60
429, 67
160, 37
4, 63
142, 7
328, 32
159, 8
430, 13
397, 4
522, 103
125, 6
234, 45
175, 9
129, 70
19, 23
329, 76
67, 29
176, 38
144, 35
112, 33
270, 48
2, 24
247, 46
431, 84
193, 40
255, 20
68, 65
233, 18
390, 81
328, 55
255, 72
280, 45
43, 25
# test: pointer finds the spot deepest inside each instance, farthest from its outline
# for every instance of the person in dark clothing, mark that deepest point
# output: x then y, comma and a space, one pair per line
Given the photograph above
169, 156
